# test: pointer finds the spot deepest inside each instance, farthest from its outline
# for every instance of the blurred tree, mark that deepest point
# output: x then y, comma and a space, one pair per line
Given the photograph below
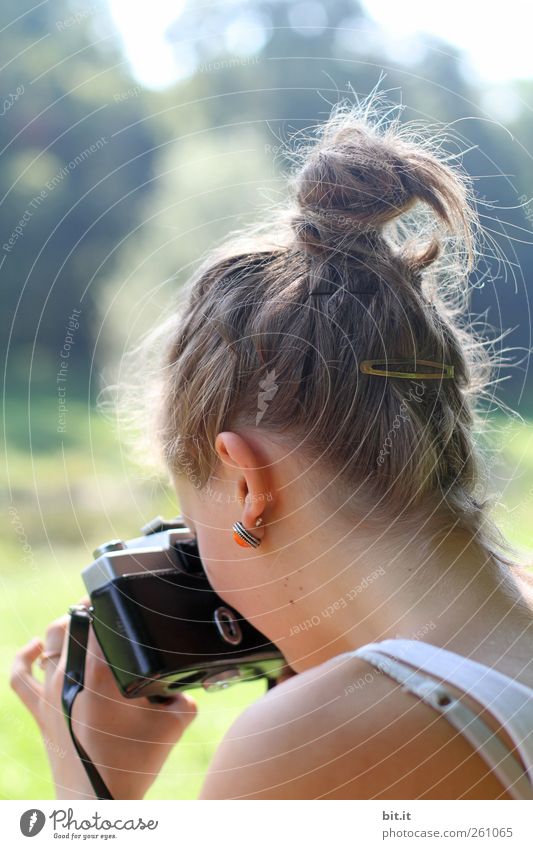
108, 190
73, 173
272, 68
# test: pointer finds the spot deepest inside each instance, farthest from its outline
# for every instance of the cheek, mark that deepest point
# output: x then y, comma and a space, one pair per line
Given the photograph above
216, 550
229, 572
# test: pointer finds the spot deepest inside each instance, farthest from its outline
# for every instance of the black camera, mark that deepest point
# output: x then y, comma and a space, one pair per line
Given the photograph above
160, 624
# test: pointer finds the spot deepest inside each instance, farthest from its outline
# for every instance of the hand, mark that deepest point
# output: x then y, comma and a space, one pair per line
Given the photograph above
128, 740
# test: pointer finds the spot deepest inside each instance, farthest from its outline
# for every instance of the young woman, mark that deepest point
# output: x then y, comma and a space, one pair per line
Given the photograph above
315, 410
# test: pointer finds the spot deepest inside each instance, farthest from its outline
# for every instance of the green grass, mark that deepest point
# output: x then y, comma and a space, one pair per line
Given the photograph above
72, 493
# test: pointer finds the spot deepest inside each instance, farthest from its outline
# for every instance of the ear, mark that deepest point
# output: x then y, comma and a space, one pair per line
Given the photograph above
251, 478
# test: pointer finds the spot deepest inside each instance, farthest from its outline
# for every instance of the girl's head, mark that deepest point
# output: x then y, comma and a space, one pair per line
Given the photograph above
368, 259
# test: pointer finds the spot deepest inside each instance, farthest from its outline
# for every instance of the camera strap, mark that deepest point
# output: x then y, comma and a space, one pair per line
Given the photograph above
73, 683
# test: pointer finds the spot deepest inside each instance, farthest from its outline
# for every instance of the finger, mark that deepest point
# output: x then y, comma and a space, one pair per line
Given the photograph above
27, 688
57, 661
56, 642
85, 600
59, 664
55, 634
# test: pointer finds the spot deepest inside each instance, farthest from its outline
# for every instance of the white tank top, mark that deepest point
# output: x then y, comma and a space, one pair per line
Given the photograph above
509, 701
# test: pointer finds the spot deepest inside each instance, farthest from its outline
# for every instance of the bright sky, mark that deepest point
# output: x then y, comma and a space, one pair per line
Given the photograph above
496, 39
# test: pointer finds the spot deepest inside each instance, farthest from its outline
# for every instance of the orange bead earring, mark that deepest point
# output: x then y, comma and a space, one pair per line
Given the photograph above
244, 537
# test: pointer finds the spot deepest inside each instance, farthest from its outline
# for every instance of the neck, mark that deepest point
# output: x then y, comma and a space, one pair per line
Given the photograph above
453, 594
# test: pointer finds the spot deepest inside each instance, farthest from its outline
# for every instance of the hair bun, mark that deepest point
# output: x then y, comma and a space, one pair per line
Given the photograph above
357, 174
361, 175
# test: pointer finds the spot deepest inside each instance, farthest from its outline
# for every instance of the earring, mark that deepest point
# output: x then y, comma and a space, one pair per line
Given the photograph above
243, 537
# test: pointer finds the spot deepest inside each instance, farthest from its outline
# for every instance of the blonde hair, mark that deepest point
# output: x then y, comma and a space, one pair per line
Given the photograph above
382, 220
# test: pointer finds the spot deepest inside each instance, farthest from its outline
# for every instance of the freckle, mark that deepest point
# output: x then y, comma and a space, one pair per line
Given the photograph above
300, 588
291, 601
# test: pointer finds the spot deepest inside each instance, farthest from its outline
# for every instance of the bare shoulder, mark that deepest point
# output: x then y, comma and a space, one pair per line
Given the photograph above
343, 730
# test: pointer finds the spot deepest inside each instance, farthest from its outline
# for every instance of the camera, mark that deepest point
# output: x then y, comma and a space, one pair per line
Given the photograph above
160, 624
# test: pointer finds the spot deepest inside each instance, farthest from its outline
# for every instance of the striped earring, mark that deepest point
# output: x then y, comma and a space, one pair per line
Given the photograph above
244, 537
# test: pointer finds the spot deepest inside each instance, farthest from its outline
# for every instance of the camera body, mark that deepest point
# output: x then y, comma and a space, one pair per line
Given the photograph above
160, 624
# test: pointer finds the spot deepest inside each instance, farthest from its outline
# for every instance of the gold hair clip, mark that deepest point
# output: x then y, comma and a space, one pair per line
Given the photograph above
369, 367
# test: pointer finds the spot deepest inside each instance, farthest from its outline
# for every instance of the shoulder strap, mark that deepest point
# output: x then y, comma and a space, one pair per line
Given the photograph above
73, 683
490, 747
471, 726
